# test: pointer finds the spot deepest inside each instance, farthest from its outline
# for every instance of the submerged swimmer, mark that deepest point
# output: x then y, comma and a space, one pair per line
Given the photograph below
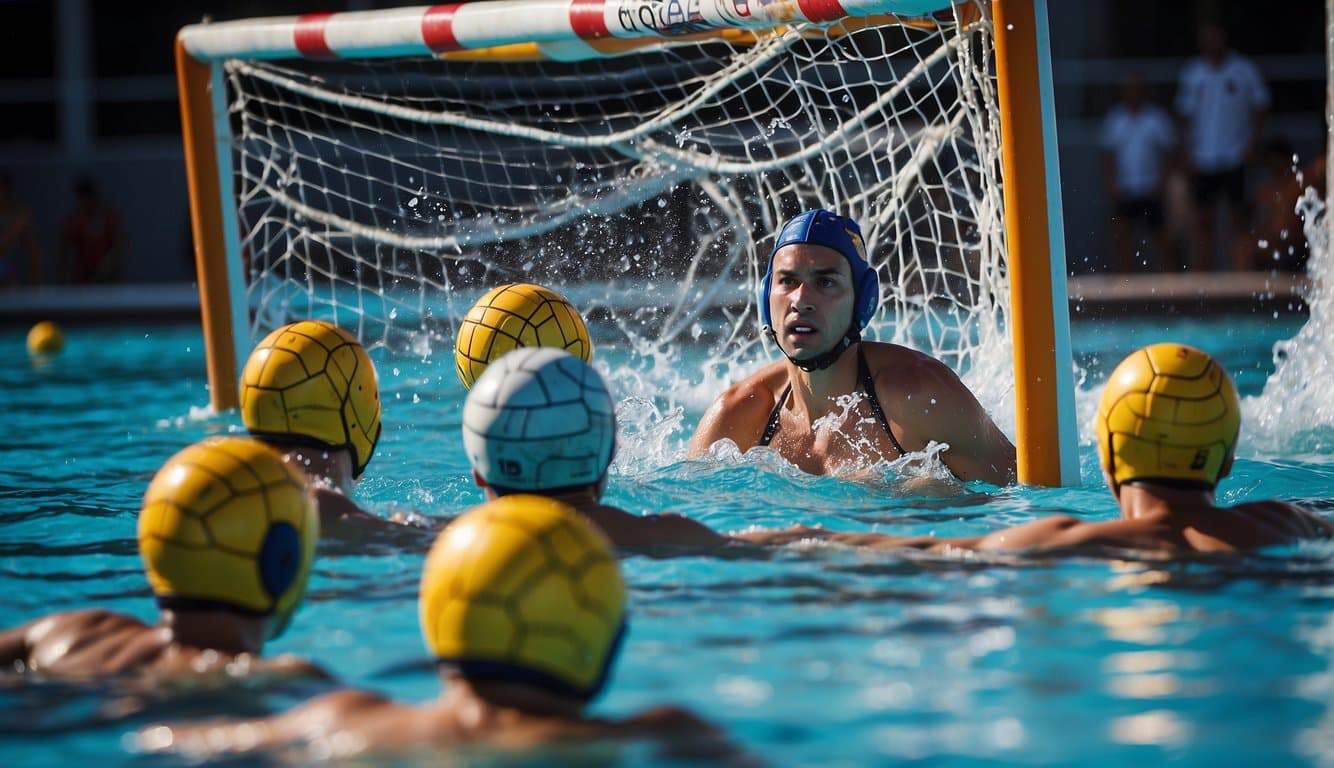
818, 295
309, 389
227, 536
523, 608
1167, 430
540, 421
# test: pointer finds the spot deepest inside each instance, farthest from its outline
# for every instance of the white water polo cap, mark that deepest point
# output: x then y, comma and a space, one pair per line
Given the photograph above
540, 420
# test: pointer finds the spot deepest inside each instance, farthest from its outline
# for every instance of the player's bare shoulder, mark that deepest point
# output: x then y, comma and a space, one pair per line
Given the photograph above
76, 628
900, 371
908, 383
758, 391
741, 410
1288, 522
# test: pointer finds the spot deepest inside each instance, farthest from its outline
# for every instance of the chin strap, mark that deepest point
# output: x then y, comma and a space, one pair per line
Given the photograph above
824, 359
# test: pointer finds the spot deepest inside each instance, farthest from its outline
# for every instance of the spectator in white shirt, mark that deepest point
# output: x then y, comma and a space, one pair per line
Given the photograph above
1136, 139
1222, 102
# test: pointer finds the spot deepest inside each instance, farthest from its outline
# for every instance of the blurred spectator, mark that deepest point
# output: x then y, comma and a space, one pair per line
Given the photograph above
92, 237
1221, 101
1136, 137
18, 243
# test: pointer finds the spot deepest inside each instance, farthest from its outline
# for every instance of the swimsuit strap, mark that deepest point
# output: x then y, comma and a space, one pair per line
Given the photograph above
868, 386
771, 428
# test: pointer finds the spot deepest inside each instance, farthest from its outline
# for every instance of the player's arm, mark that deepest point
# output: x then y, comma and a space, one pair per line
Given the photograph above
290, 667
1278, 522
1058, 533
654, 533
684, 736
737, 415
801, 533
342, 519
933, 404
224, 736
14, 646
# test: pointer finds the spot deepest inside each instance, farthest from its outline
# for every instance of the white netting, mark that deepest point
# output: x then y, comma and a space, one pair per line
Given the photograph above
386, 194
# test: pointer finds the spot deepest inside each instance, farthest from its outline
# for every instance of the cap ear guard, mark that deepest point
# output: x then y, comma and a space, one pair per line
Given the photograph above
279, 559
360, 468
868, 298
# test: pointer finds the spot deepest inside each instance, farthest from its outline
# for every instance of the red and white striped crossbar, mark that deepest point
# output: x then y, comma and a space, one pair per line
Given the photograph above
427, 30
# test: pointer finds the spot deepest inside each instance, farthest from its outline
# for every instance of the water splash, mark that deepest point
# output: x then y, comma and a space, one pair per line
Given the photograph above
646, 437
197, 414
1294, 414
915, 470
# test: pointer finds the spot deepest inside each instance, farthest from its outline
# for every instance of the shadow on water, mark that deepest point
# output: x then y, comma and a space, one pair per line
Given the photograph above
59, 576
32, 706
123, 547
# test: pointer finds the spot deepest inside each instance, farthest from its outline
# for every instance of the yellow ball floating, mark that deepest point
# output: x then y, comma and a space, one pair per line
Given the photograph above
513, 316
45, 339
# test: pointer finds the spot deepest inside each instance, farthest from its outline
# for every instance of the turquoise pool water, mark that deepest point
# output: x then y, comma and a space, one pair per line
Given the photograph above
816, 657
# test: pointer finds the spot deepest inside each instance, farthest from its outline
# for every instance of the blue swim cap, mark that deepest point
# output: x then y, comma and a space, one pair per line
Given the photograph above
821, 227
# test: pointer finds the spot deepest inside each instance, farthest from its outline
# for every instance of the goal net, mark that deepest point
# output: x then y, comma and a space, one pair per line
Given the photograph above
643, 178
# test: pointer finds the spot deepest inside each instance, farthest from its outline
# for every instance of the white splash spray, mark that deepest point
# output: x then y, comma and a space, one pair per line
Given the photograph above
1294, 415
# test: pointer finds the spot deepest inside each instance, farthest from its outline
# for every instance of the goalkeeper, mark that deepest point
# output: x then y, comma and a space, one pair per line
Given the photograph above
816, 298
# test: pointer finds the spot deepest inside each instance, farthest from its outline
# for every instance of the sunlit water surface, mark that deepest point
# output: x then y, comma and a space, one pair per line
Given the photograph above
815, 657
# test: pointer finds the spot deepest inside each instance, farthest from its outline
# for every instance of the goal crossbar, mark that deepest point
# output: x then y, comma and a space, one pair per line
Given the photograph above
562, 29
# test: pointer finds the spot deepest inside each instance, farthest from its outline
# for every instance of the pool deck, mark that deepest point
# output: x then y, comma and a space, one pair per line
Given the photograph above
154, 302
1091, 297
1186, 293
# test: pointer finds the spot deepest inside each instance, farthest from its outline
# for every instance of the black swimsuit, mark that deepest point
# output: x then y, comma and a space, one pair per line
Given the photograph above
868, 386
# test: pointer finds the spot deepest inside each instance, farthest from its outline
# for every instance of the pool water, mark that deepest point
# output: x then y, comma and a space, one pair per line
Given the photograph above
816, 657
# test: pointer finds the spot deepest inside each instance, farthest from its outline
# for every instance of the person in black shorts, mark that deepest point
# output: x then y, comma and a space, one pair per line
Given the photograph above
1208, 187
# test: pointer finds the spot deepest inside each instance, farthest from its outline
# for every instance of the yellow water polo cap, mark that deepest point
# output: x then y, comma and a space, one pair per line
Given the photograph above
524, 589
312, 382
1169, 413
517, 315
227, 524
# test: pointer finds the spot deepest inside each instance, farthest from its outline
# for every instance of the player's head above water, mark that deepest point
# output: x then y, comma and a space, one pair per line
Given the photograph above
819, 291
524, 591
228, 526
311, 383
539, 420
1168, 415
